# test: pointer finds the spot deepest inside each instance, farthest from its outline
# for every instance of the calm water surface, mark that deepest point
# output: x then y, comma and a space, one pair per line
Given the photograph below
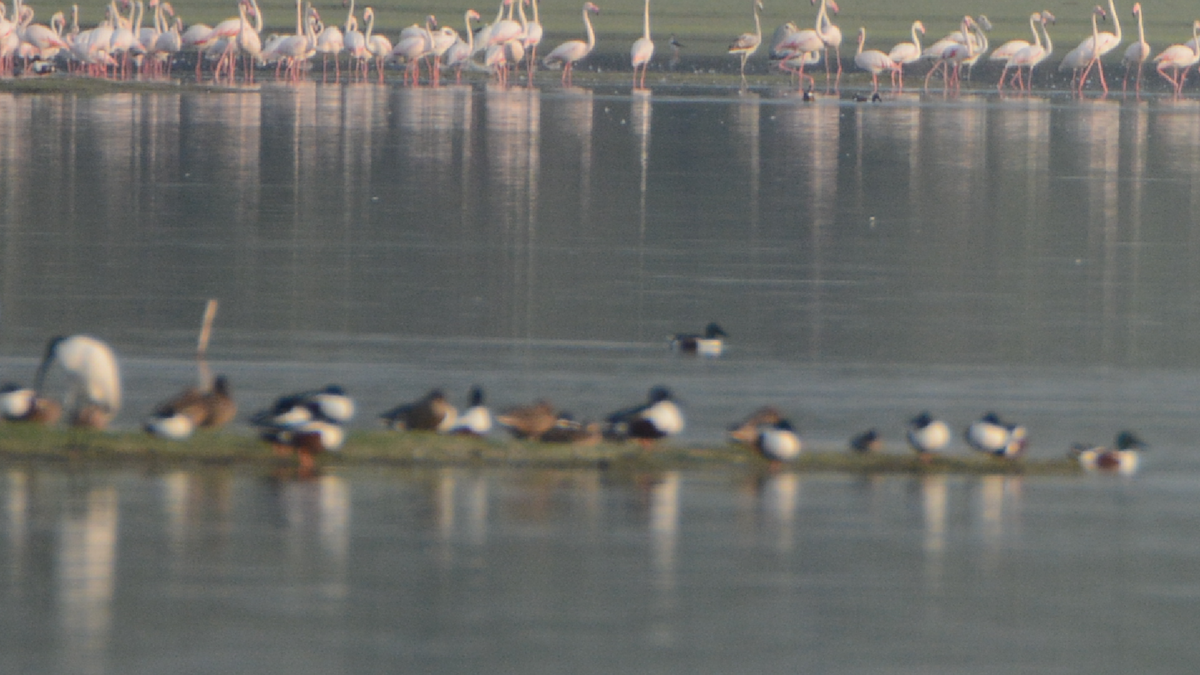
1034, 256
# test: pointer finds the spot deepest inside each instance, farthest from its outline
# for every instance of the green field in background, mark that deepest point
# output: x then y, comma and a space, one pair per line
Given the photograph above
707, 26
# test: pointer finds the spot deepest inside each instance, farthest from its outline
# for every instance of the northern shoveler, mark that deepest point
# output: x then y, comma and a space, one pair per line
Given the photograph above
330, 404
746, 431
531, 421
476, 420
203, 408
778, 442
306, 440
431, 412
927, 435
658, 418
708, 344
867, 441
22, 404
996, 437
1122, 459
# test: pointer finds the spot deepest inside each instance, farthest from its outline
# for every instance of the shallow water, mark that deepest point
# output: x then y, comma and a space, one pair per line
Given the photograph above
511, 571
1033, 256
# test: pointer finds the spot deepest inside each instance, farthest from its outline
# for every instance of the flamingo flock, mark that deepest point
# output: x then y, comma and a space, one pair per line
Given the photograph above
130, 40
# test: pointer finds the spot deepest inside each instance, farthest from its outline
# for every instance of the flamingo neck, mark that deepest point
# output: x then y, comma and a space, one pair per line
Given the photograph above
646, 21
1046, 34
521, 15
587, 21
535, 11
1141, 29
350, 16
470, 34
1116, 20
299, 20
916, 40
370, 27
862, 37
1033, 22
757, 23
1196, 37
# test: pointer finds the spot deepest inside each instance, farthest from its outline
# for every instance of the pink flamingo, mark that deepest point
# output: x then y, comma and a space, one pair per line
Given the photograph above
1179, 58
1032, 55
642, 50
747, 43
1138, 52
872, 60
906, 53
567, 53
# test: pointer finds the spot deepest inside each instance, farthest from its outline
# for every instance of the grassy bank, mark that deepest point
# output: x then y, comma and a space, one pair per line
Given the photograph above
707, 26
21, 442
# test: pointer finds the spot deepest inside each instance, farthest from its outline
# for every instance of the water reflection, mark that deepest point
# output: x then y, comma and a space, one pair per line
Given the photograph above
86, 578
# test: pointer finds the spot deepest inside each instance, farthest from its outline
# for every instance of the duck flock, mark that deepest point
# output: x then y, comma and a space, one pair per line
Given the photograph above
310, 423
124, 42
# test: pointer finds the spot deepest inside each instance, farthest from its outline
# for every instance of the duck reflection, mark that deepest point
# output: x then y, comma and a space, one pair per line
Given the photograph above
934, 493
198, 506
998, 514
779, 498
87, 552
17, 507
664, 527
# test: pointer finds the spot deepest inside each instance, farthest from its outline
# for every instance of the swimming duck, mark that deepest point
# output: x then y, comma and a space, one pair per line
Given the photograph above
658, 418
996, 437
306, 440
330, 404
747, 430
927, 435
431, 412
22, 404
1123, 459
778, 442
867, 441
476, 420
708, 344
530, 422
863, 98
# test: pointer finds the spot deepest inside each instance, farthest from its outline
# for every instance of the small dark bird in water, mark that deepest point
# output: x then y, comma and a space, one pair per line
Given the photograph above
809, 96
867, 441
708, 344
863, 98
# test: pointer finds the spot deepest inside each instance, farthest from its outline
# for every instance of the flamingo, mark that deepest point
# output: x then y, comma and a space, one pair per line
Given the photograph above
1103, 43
571, 51
1008, 50
1034, 54
1137, 53
873, 61
1179, 58
378, 45
460, 53
414, 45
954, 53
505, 30
533, 37
356, 43
747, 43
332, 41
797, 47
906, 53
1081, 55
1005, 52
643, 49
95, 395
445, 38
195, 37
832, 36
